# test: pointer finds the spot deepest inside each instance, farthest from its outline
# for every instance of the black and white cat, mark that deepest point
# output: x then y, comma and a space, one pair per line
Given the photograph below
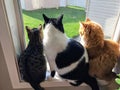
32, 62
66, 56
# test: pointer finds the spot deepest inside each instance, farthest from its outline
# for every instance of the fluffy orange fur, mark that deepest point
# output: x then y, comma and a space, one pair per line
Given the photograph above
103, 54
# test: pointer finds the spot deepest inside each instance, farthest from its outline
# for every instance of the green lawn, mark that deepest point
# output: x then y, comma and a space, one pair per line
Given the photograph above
118, 81
72, 16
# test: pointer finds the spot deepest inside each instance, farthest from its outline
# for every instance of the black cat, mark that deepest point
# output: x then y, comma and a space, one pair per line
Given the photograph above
66, 56
32, 62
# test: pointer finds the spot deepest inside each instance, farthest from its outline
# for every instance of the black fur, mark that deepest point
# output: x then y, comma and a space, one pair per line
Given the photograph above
32, 62
73, 53
57, 22
52, 73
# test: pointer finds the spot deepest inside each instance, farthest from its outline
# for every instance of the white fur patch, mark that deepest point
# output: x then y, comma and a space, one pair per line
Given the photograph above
86, 55
82, 36
102, 82
72, 81
81, 26
69, 68
54, 38
82, 40
73, 65
54, 42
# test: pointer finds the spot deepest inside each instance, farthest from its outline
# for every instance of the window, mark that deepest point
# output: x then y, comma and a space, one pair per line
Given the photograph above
106, 13
117, 31
12, 42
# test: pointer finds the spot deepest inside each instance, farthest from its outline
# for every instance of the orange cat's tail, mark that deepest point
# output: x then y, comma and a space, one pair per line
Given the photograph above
119, 49
118, 63
119, 52
117, 66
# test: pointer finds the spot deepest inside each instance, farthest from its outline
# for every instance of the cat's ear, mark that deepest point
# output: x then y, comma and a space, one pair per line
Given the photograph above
59, 19
28, 29
87, 19
83, 24
81, 29
86, 28
46, 19
40, 27
40, 31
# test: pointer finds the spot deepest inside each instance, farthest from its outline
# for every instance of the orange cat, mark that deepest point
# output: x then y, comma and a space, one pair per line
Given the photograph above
103, 54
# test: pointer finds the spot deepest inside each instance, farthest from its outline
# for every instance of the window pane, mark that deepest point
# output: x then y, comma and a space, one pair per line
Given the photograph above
106, 13
13, 25
74, 11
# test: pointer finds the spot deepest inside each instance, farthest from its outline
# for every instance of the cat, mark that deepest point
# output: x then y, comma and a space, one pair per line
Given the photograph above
32, 62
103, 53
66, 56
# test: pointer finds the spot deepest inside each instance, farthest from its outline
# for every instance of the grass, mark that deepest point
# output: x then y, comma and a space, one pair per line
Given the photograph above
118, 81
72, 16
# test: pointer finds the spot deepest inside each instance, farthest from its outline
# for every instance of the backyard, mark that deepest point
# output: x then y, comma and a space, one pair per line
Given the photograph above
72, 16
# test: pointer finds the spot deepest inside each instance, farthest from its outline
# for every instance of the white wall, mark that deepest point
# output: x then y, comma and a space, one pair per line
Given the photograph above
80, 3
38, 4
106, 13
63, 3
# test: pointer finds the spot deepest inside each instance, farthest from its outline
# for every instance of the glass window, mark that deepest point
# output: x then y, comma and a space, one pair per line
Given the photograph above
74, 11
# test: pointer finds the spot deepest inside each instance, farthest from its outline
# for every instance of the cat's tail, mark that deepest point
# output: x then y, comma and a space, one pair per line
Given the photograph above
36, 86
117, 66
92, 82
119, 49
118, 63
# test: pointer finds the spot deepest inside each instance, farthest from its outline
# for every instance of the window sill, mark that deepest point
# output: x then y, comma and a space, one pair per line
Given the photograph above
49, 84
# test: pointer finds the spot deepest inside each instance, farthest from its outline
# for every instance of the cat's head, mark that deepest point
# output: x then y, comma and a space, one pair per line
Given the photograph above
35, 34
53, 23
91, 33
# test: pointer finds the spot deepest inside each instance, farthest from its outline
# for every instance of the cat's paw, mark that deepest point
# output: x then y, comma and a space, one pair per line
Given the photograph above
49, 78
52, 73
74, 84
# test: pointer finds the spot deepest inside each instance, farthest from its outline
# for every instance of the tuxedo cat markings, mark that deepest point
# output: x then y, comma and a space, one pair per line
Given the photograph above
32, 62
66, 56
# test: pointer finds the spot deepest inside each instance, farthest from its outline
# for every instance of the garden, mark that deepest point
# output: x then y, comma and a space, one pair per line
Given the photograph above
72, 16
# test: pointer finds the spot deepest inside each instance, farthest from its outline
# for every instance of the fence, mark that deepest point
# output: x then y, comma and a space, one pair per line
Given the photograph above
37, 4
80, 3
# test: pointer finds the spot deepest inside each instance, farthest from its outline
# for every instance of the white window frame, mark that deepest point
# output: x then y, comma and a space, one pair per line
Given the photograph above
8, 58
7, 46
116, 36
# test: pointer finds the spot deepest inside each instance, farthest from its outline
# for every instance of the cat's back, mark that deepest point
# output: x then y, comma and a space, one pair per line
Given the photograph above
110, 43
31, 53
111, 47
72, 63
32, 64
34, 57
74, 48
73, 53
